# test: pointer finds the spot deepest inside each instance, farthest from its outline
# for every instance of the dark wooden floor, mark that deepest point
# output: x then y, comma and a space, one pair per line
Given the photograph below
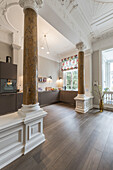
73, 142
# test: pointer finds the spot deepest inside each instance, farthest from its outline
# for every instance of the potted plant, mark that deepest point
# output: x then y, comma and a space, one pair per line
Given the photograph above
100, 94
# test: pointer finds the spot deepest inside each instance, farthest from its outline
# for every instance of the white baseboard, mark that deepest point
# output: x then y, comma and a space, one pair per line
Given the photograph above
96, 106
106, 107
34, 143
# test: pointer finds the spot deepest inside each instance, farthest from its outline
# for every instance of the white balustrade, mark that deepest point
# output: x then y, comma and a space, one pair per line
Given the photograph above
108, 99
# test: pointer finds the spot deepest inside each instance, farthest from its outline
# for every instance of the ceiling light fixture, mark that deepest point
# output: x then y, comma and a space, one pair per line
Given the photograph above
48, 52
42, 48
45, 44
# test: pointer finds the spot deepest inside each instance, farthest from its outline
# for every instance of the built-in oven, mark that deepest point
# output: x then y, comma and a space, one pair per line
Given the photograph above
8, 86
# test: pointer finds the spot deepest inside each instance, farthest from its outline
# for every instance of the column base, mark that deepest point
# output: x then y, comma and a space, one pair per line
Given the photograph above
29, 110
83, 103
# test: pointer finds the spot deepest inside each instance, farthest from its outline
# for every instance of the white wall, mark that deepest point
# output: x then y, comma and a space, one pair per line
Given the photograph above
5, 50
6, 37
48, 68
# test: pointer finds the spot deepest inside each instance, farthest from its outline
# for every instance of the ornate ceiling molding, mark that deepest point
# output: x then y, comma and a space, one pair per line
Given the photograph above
69, 4
33, 4
4, 6
67, 14
103, 36
104, 1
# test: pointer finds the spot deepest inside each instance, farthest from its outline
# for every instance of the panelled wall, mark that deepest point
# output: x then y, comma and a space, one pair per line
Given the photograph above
95, 73
98, 47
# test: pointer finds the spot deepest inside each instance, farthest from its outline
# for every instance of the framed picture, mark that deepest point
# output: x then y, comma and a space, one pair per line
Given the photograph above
40, 79
44, 79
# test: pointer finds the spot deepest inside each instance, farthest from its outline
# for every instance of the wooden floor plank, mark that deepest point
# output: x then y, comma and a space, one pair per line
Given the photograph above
106, 162
93, 160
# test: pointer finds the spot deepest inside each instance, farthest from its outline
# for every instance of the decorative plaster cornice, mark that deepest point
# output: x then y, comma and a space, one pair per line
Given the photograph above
33, 4
80, 46
103, 36
15, 46
104, 1
88, 52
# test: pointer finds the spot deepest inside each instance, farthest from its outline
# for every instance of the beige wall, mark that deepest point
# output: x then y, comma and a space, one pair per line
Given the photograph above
5, 50
48, 68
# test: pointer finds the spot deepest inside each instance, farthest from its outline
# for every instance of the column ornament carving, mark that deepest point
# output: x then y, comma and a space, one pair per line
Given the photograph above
80, 46
33, 4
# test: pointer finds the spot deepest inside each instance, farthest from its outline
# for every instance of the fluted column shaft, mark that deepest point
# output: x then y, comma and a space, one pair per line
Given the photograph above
30, 75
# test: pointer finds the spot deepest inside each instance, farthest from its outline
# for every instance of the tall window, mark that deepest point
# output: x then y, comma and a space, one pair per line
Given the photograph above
107, 69
71, 79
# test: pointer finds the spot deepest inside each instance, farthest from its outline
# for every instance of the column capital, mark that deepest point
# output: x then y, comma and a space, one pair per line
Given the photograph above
33, 4
80, 46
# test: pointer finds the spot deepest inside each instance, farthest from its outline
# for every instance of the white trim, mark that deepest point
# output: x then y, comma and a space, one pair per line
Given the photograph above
100, 67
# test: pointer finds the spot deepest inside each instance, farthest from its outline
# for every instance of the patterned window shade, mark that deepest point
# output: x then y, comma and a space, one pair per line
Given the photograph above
69, 63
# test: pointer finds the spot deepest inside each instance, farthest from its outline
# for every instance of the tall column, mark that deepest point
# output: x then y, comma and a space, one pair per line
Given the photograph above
83, 102
30, 66
80, 68
26, 124
30, 76
31, 111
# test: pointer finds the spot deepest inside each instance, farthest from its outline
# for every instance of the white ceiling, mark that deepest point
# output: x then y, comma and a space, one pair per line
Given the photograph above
82, 20
57, 43
77, 20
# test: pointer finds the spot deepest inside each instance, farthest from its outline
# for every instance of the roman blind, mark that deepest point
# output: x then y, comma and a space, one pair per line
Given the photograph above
69, 63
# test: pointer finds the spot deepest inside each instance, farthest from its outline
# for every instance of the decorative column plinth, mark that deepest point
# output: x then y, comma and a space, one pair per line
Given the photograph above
83, 103
33, 126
